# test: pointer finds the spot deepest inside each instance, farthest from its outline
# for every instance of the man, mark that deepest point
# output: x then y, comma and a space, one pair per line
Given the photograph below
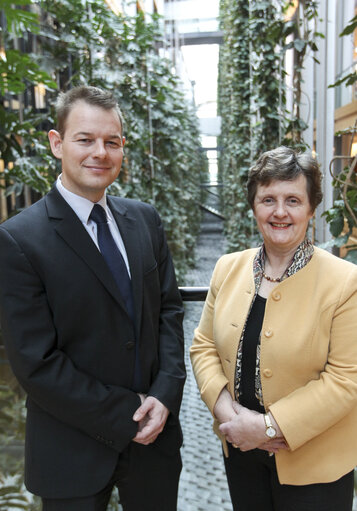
92, 322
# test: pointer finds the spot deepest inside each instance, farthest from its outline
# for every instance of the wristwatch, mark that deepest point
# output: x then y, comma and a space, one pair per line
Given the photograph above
270, 431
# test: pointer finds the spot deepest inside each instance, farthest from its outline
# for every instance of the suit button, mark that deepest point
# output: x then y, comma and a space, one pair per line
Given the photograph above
268, 373
268, 333
276, 296
130, 345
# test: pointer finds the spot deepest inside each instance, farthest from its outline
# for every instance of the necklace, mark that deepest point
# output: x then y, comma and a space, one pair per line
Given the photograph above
271, 279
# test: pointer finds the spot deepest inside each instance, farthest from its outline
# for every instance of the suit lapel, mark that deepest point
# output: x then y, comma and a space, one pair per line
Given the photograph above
129, 231
71, 230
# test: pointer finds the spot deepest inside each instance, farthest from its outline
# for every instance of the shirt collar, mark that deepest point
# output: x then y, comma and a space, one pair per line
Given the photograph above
80, 205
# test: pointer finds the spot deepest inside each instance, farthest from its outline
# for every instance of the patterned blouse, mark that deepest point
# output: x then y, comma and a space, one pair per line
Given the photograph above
301, 257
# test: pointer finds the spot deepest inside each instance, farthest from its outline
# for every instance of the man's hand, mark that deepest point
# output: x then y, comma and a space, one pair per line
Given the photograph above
151, 416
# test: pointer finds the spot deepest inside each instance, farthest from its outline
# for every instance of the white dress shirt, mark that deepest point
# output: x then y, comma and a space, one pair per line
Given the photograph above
83, 208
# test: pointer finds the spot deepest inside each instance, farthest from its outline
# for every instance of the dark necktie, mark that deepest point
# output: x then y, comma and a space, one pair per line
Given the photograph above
117, 266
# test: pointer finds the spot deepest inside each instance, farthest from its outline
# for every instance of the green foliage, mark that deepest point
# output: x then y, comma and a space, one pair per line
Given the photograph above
249, 104
13, 494
252, 96
350, 78
19, 20
266, 62
303, 29
17, 70
20, 133
342, 217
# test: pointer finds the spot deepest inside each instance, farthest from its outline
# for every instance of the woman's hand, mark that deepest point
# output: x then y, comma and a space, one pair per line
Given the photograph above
246, 430
224, 407
274, 445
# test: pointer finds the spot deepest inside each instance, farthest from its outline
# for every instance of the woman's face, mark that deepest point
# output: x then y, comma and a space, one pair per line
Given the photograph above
282, 211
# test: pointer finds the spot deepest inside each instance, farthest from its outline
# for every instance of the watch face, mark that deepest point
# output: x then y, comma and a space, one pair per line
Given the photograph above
270, 432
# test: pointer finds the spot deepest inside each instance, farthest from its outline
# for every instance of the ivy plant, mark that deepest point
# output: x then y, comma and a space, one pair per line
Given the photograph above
249, 99
19, 72
252, 96
13, 494
342, 217
349, 78
303, 28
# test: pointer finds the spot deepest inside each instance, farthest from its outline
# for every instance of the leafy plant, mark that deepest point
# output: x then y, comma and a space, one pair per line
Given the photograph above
249, 104
342, 217
350, 78
20, 135
13, 494
303, 28
252, 96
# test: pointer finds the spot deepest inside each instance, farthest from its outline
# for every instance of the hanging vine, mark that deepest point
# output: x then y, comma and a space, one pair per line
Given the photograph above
342, 217
248, 104
252, 98
266, 86
303, 28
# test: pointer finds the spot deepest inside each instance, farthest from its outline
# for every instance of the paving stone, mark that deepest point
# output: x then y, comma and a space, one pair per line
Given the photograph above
203, 484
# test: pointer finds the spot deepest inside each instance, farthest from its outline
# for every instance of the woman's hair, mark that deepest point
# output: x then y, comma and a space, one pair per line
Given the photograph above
285, 164
90, 95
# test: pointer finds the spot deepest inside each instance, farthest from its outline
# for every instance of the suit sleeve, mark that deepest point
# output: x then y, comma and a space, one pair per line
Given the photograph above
323, 402
47, 374
168, 384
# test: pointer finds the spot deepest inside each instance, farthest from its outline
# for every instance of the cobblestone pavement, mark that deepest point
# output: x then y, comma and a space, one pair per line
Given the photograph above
203, 483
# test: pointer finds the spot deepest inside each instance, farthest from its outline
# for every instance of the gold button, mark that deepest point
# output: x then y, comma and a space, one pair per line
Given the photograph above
268, 373
268, 333
276, 296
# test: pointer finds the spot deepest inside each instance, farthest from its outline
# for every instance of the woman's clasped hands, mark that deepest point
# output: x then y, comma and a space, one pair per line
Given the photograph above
244, 428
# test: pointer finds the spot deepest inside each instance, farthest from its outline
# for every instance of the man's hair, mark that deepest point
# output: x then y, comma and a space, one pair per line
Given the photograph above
285, 164
90, 95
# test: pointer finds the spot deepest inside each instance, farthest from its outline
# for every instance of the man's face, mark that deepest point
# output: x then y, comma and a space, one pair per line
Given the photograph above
91, 150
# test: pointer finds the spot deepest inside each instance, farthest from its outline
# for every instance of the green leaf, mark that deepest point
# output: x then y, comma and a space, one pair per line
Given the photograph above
336, 225
351, 256
349, 79
349, 29
19, 21
299, 44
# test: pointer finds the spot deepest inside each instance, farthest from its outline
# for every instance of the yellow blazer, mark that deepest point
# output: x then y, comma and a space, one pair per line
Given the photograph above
308, 358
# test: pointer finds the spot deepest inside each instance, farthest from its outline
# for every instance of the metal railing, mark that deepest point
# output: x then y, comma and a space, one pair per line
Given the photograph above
193, 294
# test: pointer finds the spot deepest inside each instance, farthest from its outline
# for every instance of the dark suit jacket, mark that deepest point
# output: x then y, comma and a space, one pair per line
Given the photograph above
71, 343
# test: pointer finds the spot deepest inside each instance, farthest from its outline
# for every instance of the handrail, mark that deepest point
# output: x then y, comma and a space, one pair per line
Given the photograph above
193, 294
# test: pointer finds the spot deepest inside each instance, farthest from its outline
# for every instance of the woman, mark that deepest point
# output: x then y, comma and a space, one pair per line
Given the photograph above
275, 353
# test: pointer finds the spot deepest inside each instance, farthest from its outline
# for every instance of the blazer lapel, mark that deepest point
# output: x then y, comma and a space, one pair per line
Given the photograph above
71, 230
130, 234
